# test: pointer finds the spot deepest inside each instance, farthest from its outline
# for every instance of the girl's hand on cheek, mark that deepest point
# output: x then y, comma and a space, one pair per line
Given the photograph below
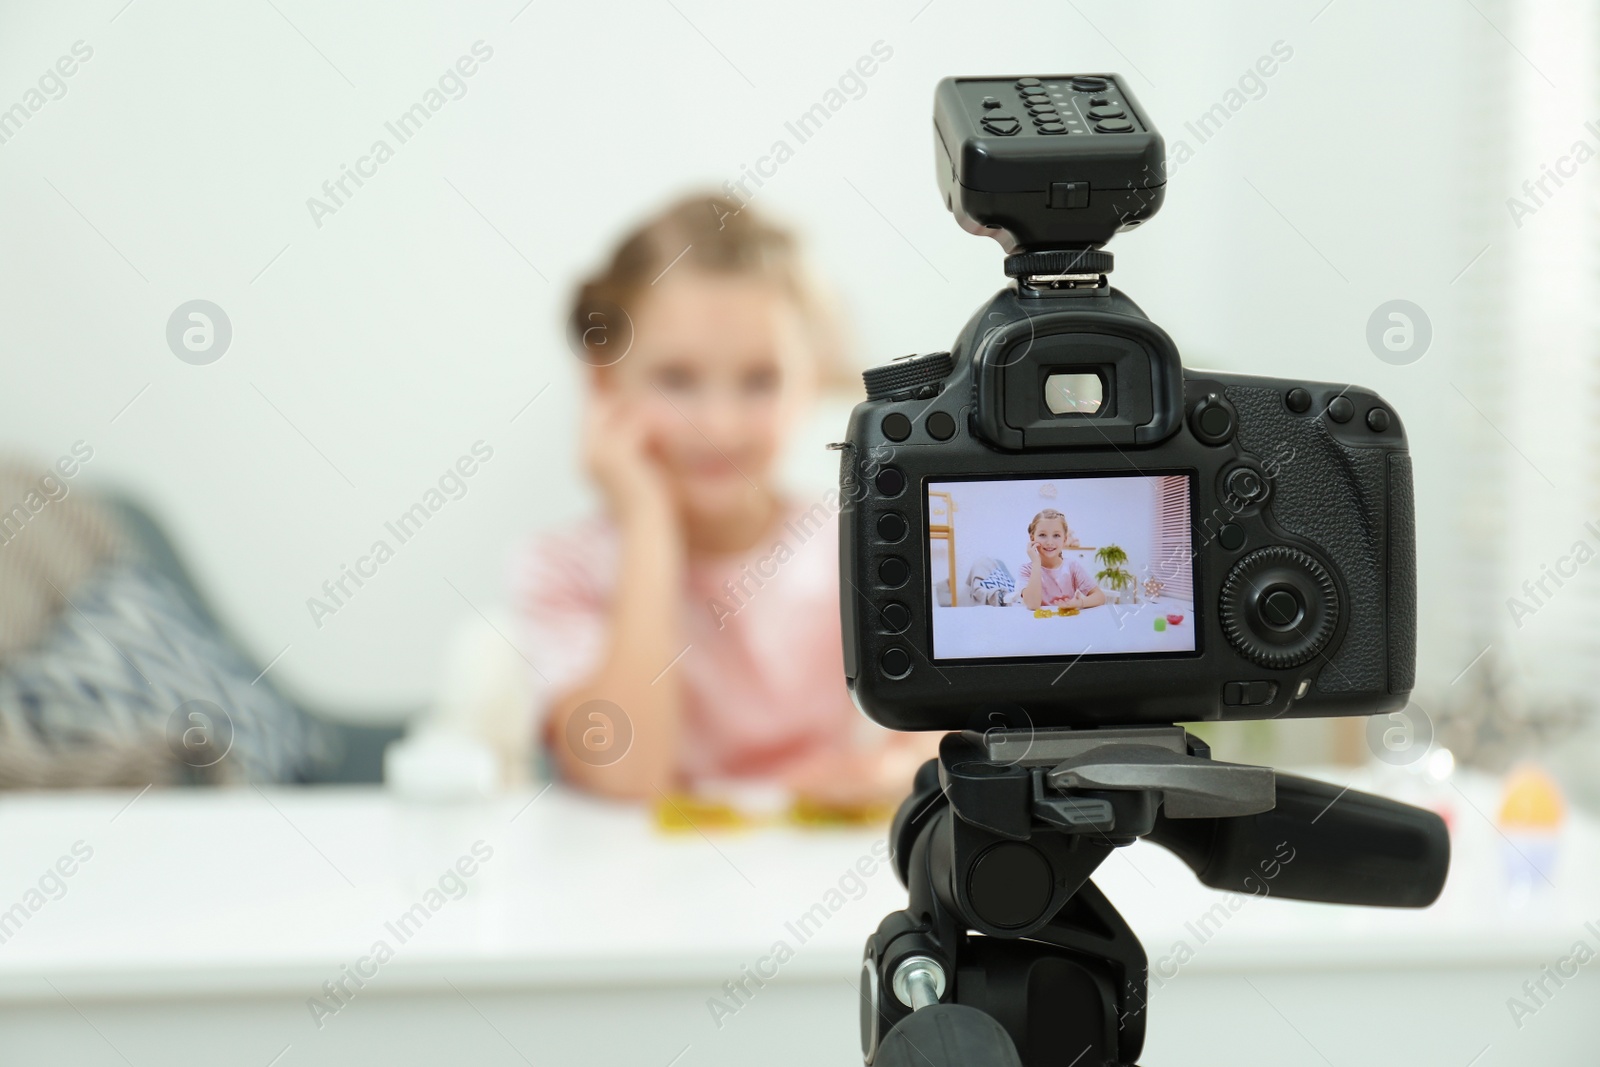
617, 456
1033, 553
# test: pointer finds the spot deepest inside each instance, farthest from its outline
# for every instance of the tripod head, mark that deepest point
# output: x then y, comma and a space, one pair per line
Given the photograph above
996, 845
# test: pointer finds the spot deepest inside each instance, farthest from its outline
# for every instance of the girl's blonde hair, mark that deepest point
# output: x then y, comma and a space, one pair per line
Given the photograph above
1050, 513
711, 233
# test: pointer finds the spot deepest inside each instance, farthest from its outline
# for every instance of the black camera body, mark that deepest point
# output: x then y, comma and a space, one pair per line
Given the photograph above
1055, 524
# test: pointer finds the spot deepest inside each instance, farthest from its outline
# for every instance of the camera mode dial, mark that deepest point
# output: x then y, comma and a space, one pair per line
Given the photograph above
909, 376
1279, 607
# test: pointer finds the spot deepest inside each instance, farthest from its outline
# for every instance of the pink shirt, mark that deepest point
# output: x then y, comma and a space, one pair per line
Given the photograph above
1061, 583
762, 675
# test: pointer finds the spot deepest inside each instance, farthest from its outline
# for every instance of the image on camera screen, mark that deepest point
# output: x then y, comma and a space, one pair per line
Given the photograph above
1061, 567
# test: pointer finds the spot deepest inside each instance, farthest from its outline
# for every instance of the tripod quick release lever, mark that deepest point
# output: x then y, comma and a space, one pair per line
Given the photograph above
1190, 787
1005, 779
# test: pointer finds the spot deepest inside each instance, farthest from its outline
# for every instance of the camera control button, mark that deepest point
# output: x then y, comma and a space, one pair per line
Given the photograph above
1052, 127
1028, 83
891, 527
1001, 125
941, 425
896, 616
1245, 694
1297, 400
894, 572
1282, 608
1215, 421
1109, 111
896, 426
1231, 537
990, 102
890, 481
1089, 85
1113, 126
896, 662
1340, 409
1378, 420
1246, 484
1212, 419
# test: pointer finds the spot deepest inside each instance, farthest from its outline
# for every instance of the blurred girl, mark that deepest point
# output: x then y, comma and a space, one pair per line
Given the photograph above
694, 627
1051, 579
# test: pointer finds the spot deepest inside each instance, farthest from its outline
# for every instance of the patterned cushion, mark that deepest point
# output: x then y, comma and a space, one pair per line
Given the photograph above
130, 687
998, 576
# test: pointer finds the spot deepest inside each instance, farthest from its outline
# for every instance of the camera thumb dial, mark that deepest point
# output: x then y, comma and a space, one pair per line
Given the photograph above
1279, 607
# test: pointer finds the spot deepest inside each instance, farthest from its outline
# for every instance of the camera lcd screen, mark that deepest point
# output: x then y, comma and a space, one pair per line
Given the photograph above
1056, 568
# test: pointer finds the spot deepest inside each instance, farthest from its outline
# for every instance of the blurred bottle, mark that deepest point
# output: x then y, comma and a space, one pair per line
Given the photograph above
1531, 816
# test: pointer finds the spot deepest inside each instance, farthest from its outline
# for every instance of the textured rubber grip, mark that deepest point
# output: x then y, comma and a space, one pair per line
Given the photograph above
1321, 842
947, 1035
1402, 598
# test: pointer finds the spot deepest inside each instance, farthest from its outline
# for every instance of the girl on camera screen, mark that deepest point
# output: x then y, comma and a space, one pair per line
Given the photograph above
1050, 578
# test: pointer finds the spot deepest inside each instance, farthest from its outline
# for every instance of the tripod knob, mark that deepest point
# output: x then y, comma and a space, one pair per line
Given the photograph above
947, 1035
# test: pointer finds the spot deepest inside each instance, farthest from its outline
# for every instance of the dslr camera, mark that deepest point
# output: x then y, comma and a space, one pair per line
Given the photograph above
1059, 543
1057, 524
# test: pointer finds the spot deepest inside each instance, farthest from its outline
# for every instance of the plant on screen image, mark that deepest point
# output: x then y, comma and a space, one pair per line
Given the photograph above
1111, 558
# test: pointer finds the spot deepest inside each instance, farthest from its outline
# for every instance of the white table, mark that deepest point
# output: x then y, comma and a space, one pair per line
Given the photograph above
973, 631
204, 921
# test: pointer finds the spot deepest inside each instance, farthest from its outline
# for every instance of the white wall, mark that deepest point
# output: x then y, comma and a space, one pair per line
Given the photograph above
372, 351
1544, 403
